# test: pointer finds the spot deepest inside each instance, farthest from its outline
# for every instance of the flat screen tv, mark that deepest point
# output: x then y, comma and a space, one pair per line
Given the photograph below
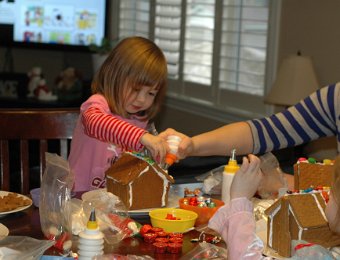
53, 24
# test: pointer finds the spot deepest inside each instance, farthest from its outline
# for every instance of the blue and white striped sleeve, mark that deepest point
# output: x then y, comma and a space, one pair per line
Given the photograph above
313, 117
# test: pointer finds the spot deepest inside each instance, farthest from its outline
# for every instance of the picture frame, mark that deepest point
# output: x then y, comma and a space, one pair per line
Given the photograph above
13, 85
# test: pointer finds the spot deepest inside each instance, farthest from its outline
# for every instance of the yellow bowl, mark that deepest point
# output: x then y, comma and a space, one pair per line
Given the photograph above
186, 219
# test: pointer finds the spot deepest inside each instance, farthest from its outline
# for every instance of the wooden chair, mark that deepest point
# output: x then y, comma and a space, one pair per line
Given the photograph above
29, 129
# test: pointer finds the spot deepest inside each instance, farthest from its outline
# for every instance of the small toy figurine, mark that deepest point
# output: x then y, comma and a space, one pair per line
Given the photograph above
42, 92
35, 75
69, 84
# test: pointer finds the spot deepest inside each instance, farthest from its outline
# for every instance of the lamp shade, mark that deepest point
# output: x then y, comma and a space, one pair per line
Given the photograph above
295, 80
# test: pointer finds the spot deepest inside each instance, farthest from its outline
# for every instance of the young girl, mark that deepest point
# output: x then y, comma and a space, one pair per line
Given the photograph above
127, 92
235, 221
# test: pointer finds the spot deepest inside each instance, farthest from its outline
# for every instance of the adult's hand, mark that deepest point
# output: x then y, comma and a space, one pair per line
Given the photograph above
186, 145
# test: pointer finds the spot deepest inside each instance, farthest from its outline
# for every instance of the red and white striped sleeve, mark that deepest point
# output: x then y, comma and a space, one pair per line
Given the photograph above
108, 128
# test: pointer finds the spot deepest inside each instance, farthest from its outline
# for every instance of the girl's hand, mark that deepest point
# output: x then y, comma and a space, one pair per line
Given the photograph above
186, 145
156, 145
247, 178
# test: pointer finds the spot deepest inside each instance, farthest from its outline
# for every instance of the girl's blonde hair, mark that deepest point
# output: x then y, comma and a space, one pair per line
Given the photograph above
134, 62
336, 186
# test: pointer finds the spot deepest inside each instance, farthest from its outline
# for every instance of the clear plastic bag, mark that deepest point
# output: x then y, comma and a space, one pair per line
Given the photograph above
122, 257
54, 204
206, 250
212, 181
112, 215
273, 183
22, 247
304, 250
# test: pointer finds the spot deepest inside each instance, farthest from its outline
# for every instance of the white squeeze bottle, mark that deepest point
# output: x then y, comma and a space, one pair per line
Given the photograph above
171, 157
91, 240
229, 171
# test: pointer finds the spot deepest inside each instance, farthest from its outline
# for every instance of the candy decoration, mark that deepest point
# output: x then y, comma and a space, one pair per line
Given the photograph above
174, 248
160, 248
150, 237
311, 160
145, 229
162, 241
176, 240
162, 234
327, 161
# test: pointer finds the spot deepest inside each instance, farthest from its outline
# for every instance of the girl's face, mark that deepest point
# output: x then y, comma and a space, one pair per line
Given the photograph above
140, 99
331, 210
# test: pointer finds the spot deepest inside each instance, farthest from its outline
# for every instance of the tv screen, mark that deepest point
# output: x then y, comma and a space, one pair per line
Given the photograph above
58, 24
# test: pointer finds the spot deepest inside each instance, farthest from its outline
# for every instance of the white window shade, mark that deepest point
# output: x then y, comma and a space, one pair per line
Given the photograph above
244, 46
134, 18
168, 33
199, 39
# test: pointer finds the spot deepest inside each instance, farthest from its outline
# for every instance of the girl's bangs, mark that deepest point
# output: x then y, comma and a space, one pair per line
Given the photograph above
149, 79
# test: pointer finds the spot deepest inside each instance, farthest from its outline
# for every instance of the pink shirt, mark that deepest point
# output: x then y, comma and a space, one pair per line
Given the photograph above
236, 224
98, 140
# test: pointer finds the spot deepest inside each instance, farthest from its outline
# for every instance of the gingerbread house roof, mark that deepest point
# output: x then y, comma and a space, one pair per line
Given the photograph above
307, 209
122, 171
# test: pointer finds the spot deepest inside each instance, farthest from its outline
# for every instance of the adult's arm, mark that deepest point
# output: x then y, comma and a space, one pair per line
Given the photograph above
222, 140
314, 117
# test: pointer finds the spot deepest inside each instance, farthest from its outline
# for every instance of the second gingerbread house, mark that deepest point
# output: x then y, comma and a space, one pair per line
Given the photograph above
308, 175
298, 217
139, 182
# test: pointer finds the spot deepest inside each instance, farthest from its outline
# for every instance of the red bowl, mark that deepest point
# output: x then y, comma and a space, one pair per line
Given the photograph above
204, 213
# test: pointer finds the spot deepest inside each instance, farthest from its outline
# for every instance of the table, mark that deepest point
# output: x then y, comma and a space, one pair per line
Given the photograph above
27, 223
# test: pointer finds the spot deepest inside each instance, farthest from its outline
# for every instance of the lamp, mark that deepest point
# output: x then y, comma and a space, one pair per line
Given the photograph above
295, 80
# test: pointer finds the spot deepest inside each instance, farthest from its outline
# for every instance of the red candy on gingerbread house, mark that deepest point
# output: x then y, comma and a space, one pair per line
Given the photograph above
139, 182
309, 173
298, 216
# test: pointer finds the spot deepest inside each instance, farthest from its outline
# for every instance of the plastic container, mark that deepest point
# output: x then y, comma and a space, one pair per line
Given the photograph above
204, 213
35, 194
185, 222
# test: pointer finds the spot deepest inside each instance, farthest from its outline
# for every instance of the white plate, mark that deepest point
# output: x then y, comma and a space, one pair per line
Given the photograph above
3, 231
176, 192
4, 213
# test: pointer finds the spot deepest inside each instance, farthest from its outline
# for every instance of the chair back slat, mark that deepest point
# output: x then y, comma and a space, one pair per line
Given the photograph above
24, 166
50, 127
63, 148
42, 158
4, 165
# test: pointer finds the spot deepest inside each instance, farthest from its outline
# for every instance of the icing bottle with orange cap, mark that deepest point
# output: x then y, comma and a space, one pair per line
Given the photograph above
171, 157
91, 240
228, 174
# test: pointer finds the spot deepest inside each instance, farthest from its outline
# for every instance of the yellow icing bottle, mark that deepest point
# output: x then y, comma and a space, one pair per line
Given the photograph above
228, 174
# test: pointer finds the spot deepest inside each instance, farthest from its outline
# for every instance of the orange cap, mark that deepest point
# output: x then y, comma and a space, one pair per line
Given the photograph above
170, 158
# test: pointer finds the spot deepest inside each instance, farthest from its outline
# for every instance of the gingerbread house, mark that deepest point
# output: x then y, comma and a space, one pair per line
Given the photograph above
139, 182
298, 217
312, 174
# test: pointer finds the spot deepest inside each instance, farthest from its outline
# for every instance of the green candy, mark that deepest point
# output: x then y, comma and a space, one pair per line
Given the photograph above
311, 160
